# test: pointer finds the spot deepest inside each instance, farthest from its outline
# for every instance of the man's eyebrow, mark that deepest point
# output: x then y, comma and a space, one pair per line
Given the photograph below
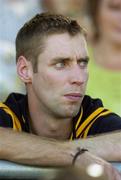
58, 59
86, 58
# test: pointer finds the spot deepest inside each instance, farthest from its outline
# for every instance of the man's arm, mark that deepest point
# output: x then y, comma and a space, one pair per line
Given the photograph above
24, 147
34, 150
106, 146
31, 149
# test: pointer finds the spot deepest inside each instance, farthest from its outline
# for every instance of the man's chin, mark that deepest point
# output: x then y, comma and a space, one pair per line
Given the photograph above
69, 110
72, 113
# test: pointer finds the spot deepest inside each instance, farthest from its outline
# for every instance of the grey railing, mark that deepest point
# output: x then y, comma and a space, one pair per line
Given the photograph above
10, 170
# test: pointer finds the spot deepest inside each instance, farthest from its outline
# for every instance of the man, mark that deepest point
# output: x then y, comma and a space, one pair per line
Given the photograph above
52, 61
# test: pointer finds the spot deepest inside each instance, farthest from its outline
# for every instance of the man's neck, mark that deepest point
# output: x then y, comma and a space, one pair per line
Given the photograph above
45, 125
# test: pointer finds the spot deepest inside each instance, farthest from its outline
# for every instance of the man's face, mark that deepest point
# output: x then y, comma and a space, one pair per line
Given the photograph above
60, 81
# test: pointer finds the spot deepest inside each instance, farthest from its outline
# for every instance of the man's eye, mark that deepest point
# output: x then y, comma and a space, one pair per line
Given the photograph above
60, 65
83, 63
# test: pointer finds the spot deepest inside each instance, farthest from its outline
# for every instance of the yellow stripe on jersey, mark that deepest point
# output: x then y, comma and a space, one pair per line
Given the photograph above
88, 120
71, 137
88, 128
16, 123
78, 121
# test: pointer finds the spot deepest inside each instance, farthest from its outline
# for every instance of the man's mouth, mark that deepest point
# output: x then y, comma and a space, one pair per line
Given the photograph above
74, 96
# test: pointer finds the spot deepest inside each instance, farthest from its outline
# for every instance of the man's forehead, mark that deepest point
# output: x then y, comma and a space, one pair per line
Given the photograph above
65, 45
64, 38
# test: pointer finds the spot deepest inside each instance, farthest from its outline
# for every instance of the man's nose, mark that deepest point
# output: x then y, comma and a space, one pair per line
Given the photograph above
78, 76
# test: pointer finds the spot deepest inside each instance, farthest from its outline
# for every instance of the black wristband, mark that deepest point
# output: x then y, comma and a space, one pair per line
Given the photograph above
79, 152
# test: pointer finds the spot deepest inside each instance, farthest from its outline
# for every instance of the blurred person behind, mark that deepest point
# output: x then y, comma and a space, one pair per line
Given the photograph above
105, 66
71, 8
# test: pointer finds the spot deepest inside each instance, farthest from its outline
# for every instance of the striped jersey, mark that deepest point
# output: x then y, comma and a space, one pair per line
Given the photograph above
91, 119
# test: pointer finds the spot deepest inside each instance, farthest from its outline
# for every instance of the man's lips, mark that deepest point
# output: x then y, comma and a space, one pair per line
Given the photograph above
74, 96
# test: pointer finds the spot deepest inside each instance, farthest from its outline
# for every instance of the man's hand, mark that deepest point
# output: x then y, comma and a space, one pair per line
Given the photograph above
87, 159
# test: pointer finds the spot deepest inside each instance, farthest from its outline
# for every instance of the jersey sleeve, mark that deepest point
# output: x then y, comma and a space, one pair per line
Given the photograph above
96, 119
103, 124
5, 119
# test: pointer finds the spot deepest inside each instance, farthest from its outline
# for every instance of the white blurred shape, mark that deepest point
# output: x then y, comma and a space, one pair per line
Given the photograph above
21, 7
6, 47
95, 170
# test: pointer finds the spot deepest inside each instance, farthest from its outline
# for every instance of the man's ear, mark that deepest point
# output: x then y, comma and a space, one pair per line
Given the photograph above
24, 69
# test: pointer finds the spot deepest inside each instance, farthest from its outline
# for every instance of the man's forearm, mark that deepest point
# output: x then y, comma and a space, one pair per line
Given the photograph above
106, 146
33, 150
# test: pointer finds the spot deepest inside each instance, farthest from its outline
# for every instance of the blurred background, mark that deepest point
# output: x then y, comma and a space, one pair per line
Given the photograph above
102, 21
13, 14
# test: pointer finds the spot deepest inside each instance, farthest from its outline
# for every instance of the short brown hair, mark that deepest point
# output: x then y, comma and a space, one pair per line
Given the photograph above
29, 40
